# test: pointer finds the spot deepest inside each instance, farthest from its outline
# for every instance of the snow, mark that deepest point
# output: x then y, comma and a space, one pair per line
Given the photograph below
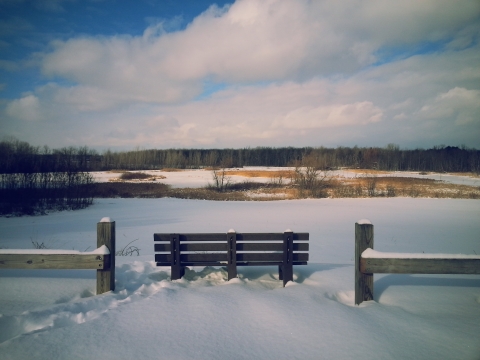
373, 254
192, 178
53, 314
364, 222
106, 220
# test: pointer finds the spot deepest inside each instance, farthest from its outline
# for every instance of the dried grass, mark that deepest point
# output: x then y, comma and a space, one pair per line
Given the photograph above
384, 186
387, 186
368, 171
287, 174
171, 170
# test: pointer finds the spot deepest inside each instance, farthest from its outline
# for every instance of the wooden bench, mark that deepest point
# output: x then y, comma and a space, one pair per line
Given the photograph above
231, 250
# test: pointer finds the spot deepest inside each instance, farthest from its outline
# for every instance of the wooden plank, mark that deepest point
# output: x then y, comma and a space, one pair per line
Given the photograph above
106, 236
419, 266
363, 282
270, 236
240, 247
270, 246
204, 247
162, 247
216, 263
301, 246
53, 261
192, 237
259, 246
192, 247
242, 257
240, 237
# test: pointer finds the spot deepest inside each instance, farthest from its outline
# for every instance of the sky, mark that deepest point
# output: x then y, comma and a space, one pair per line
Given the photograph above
198, 74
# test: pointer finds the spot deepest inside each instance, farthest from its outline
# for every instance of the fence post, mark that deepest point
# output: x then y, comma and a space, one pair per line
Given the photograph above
363, 241
106, 236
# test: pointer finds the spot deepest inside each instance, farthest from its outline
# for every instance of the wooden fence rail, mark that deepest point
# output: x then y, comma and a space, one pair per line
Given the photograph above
102, 259
369, 261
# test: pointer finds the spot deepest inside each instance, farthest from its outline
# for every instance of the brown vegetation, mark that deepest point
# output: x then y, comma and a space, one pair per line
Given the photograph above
134, 176
286, 174
391, 186
171, 169
368, 186
137, 176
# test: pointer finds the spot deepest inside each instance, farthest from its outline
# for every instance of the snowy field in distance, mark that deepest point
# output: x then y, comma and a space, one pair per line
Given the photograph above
195, 178
48, 314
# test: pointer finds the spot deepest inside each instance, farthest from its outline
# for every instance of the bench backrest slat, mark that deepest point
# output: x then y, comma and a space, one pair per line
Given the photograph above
241, 257
240, 247
240, 237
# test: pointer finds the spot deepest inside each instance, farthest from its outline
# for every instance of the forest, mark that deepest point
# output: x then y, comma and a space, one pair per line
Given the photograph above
21, 157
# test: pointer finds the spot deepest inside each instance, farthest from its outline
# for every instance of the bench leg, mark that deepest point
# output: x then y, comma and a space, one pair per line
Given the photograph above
232, 271
177, 272
280, 272
287, 274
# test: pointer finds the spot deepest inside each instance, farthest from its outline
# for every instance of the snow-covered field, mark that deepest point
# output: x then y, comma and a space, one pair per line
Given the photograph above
48, 314
195, 178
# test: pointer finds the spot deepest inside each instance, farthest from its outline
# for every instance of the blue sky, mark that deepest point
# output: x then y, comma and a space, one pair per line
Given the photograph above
162, 74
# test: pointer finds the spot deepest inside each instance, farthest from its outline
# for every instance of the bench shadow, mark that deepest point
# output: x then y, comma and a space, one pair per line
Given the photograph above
301, 272
385, 282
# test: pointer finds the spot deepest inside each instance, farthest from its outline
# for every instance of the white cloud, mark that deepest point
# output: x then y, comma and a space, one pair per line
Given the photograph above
459, 104
310, 117
26, 108
252, 41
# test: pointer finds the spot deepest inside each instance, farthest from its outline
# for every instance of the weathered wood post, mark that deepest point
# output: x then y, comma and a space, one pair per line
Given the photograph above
286, 270
106, 236
363, 241
177, 270
232, 254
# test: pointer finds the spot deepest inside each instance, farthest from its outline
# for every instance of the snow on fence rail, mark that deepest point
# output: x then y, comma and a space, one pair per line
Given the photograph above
102, 259
369, 261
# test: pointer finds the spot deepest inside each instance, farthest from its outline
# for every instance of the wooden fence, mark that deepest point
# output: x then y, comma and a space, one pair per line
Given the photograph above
102, 259
368, 262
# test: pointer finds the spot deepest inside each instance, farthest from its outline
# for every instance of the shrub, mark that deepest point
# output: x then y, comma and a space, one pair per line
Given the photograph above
134, 176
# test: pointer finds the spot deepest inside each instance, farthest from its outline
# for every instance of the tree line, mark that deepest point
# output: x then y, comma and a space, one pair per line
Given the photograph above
21, 157
34, 180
